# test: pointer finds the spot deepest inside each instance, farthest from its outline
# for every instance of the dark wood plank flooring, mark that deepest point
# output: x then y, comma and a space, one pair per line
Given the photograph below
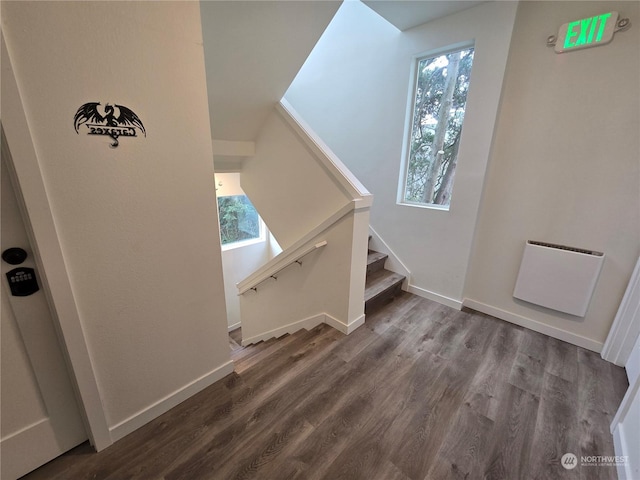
421, 391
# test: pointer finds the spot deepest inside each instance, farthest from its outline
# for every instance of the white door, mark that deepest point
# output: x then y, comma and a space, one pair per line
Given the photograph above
39, 414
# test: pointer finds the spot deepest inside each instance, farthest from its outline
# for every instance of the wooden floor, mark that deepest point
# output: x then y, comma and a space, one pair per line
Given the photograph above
421, 391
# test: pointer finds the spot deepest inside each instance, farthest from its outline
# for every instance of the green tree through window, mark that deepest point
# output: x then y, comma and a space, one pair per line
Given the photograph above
441, 87
239, 220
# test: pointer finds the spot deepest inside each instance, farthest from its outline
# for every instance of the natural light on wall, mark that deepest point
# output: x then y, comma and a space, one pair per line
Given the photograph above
437, 106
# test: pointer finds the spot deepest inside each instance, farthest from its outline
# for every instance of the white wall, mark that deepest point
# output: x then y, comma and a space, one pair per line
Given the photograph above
252, 52
289, 188
228, 184
353, 92
237, 264
329, 282
137, 223
564, 168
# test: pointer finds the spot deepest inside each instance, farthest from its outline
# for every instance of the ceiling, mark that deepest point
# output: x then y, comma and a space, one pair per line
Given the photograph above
253, 51
408, 14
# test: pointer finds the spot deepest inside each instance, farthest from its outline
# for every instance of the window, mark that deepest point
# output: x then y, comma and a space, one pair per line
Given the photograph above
441, 84
239, 221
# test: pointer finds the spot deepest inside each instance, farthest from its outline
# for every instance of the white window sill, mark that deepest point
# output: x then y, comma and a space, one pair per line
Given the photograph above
442, 208
243, 243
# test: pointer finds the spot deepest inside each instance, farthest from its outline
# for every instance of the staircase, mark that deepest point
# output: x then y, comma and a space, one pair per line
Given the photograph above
382, 285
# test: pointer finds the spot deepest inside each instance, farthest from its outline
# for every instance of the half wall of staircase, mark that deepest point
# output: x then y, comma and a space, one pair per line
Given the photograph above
306, 196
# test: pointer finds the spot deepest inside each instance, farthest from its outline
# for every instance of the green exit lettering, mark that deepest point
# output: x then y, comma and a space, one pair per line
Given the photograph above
586, 31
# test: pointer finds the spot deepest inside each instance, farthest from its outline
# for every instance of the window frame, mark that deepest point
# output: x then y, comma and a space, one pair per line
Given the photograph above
408, 122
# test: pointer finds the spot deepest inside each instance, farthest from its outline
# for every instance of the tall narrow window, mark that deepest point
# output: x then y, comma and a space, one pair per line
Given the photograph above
440, 96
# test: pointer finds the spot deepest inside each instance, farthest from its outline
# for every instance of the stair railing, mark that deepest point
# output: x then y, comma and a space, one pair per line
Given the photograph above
298, 249
293, 304
267, 275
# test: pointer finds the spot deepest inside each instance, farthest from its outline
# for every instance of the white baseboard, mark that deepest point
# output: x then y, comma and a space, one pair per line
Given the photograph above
342, 327
436, 297
307, 323
394, 264
231, 328
153, 411
534, 325
19, 456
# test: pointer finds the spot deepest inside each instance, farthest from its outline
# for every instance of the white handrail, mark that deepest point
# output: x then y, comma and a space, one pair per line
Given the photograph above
304, 253
283, 258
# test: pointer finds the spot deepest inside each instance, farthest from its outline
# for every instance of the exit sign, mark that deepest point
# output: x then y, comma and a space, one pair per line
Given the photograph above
587, 32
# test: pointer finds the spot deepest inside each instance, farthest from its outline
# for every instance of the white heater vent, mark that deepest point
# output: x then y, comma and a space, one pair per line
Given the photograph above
558, 277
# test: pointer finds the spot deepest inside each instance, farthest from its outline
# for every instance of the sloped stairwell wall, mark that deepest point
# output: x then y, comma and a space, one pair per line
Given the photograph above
305, 196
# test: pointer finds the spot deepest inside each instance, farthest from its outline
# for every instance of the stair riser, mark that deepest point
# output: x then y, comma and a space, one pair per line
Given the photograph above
376, 266
383, 297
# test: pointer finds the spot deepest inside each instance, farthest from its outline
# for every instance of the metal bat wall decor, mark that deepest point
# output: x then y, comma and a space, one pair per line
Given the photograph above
114, 121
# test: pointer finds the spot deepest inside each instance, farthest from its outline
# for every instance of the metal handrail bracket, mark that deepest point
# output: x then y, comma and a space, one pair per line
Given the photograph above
273, 275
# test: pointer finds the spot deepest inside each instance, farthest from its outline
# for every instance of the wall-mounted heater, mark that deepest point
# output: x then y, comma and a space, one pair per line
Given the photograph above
558, 277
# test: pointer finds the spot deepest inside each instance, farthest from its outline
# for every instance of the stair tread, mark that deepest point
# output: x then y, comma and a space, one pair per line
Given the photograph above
255, 352
378, 282
373, 257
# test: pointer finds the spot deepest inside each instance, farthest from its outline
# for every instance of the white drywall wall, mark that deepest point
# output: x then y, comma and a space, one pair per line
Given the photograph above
325, 283
237, 264
290, 189
565, 166
137, 223
228, 184
353, 92
253, 50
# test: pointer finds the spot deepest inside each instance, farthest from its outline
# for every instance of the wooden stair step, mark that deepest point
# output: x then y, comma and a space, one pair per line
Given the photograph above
381, 286
380, 281
289, 350
254, 353
375, 261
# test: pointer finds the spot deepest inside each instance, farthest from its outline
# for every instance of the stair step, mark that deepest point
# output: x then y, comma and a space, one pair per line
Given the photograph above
279, 352
381, 286
254, 353
375, 261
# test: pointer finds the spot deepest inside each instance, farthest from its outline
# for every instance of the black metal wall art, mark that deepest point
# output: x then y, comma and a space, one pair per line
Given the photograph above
114, 121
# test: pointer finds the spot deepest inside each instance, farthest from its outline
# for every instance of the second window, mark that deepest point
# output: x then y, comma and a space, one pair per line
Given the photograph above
440, 95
